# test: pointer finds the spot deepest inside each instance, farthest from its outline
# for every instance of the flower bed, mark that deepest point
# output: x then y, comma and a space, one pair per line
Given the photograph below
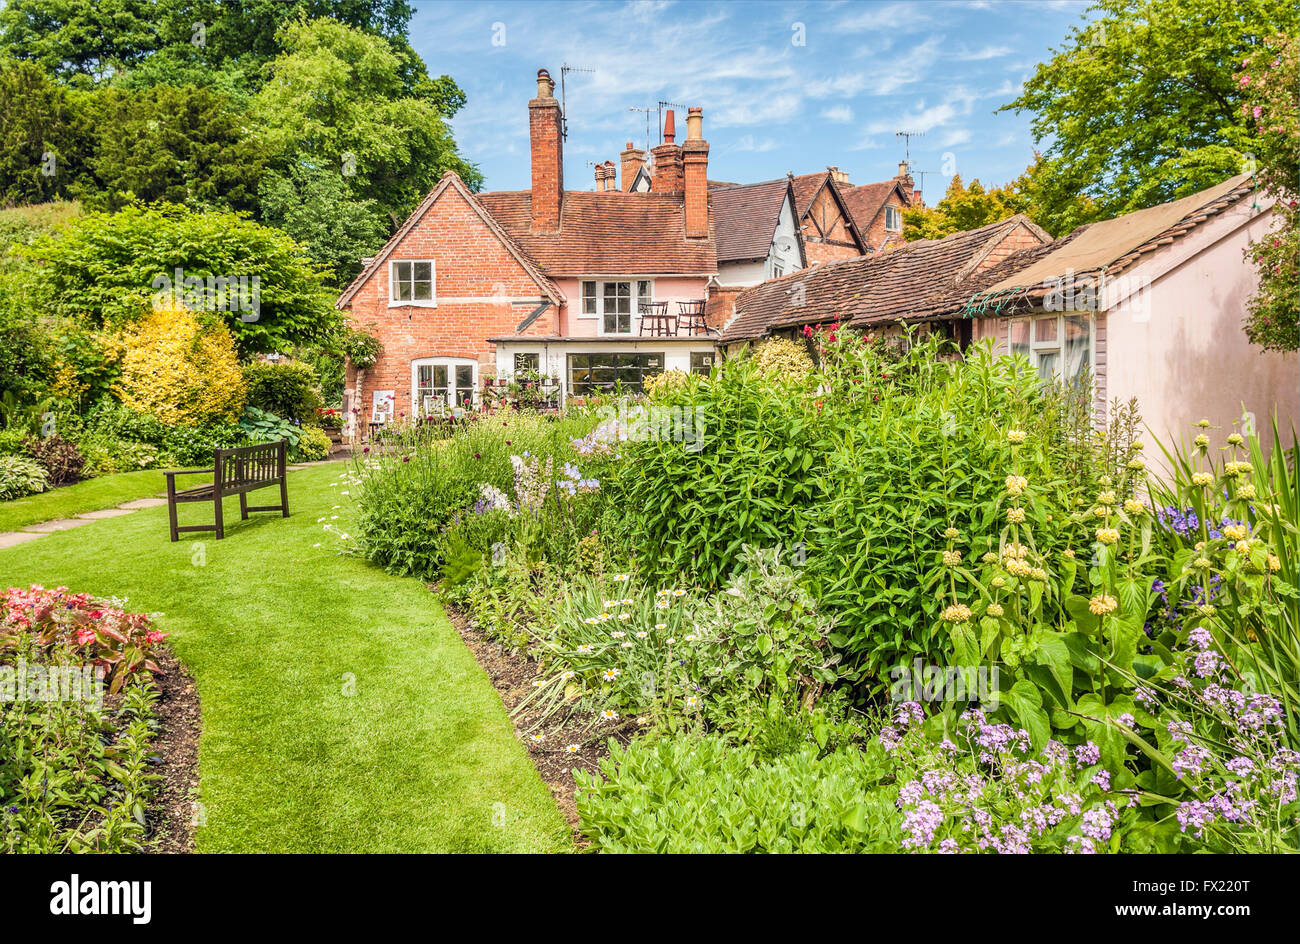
80, 719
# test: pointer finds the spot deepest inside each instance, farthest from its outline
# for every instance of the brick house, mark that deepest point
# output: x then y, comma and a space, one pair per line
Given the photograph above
580, 288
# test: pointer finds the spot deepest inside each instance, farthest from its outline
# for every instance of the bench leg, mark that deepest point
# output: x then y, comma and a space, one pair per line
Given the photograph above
284, 495
243, 506
171, 507
220, 521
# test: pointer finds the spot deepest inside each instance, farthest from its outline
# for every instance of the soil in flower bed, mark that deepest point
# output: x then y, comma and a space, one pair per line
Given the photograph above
512, 675
173, 814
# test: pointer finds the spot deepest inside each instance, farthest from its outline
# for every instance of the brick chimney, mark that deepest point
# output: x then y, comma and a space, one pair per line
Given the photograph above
695, 163
668, 160
839, 176
631, 161
547, 155
917, 199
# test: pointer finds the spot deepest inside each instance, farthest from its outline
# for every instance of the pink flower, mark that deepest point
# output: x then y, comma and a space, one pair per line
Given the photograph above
1258, 111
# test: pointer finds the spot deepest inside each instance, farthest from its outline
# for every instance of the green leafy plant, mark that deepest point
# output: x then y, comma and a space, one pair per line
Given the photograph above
288, 389
20, 476
261, 426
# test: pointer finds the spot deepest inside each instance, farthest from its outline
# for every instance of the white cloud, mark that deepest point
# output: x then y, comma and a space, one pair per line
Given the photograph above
838, 113
979, 55
954, 137
747, 142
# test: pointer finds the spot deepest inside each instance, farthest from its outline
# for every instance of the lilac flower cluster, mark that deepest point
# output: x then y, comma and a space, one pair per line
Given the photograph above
573, 481
1186, 524
992, 793
1230, 754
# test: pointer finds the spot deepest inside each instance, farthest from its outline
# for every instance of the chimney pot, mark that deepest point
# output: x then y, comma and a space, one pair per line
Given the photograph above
545, 84
695, 124
902, 168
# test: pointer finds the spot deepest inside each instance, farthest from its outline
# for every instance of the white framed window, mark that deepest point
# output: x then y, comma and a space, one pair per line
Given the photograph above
778, 270
412, 282
441, 383
615, 304
1059, 345
893, 219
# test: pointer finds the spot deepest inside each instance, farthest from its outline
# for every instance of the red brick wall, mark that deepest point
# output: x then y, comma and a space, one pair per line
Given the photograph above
817, 252
695, 156
470, 262
1018, 238
548, 162
876, 234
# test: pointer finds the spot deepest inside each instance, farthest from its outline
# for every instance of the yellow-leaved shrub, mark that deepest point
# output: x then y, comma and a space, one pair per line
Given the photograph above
181, 366
661, 383
781, 358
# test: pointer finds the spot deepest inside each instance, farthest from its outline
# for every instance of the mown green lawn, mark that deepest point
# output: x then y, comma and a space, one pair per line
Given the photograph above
91, 495
341, 712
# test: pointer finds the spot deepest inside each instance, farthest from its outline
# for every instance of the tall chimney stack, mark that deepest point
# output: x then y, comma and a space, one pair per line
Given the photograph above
547, 146
668, 160
631, 161
695, 161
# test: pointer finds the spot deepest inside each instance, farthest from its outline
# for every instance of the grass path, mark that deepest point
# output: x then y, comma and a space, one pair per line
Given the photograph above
341, 712
90, 495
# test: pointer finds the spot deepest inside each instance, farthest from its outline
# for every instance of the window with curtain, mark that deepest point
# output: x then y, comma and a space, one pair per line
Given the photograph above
1058, 345
607, 372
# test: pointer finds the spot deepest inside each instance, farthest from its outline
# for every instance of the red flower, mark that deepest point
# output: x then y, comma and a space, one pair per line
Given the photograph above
807, 331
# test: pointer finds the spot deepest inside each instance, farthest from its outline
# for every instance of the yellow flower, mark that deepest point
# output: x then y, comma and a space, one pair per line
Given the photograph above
1234, 439
1016, 515
994, 609
1274, 564
1016, 484
957, 613
1018, 568
990, 558
1202, 479
1246, 491
1102, 604
951, 558
1243, 547
1202, 441
998, 582
1038, 574
1133, 506
1136, 464
1068, 552
1107, 535
951, 534
1015, 436
1106, 498
1201, 563
1101, 511
1235, 532
1203, 424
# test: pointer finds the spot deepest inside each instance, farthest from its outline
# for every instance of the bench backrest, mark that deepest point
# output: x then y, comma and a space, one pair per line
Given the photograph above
264, 462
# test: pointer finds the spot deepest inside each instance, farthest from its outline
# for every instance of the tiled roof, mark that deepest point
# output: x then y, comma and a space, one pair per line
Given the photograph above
1111, 246
885, 287
806, 187
606, 234
866, 201
745, 218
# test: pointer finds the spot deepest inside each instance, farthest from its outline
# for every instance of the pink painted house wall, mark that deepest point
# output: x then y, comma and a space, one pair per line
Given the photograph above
671, 289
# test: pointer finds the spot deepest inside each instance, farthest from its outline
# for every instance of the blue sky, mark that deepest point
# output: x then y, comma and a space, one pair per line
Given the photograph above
864, 71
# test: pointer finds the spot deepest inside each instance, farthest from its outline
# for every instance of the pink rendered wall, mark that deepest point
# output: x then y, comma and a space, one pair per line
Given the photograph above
669, 289
1184, 354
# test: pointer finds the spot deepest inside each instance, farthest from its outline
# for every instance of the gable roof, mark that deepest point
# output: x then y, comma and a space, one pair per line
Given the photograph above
1109, 247
866, 202
608, 233
884, 287
449, 179
745, 219
806, 189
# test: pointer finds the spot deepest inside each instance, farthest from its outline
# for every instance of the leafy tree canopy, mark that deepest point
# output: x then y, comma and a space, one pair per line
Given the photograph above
106, 269
1141, 105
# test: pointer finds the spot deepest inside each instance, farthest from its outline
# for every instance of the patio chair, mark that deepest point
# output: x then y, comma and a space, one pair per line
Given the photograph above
690, 317
655, 317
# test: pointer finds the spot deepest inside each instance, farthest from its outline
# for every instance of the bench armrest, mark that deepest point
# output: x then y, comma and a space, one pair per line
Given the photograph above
189, 472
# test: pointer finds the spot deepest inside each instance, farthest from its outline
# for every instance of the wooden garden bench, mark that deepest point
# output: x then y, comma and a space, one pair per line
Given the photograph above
234, 472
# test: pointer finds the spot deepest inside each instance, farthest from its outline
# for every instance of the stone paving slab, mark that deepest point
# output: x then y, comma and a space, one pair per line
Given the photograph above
14, 538
57, 524
143, 503
105, 513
